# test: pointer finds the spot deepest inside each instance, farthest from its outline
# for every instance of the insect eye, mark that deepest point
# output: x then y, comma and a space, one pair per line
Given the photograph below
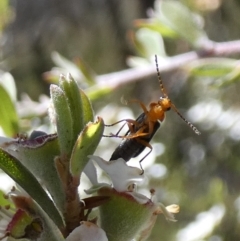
169, 108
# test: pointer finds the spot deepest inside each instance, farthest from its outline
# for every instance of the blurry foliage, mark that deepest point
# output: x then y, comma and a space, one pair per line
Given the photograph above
9, 118
5, 13
202, 172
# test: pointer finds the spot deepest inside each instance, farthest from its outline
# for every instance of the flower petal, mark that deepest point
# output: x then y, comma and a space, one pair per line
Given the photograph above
88, 232
122, 175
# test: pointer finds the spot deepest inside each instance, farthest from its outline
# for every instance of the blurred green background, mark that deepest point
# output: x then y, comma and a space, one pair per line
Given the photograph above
199, 173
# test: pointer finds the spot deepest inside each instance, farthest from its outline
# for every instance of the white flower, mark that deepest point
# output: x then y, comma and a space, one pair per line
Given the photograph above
123, 177
87, 231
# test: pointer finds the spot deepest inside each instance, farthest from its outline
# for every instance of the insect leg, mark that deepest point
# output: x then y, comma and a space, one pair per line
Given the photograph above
146, 144
137, 134
130, 123
115, 123
120, 129
141, 131
141, 104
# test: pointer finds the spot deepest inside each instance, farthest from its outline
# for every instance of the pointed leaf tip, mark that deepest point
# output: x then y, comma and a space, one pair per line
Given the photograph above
85, 145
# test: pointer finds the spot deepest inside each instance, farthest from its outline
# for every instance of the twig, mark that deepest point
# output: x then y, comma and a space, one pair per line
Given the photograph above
211, 49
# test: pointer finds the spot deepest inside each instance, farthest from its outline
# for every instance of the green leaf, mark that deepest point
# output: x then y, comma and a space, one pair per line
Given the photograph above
63, 119
8, 114
122, 217
180, 19
214, 67
66, 65
228, 79
85, 145
96, 92
71, 91
87, 72
151, 42
87, 108
11, 166
156, 25
78, 69
137, 44
5, 13
39, 157
134, 61
7, 81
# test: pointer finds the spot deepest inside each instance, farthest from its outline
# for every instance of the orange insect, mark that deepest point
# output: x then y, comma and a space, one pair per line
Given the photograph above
142, 129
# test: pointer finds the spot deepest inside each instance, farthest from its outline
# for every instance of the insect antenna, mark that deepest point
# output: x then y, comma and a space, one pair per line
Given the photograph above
172, 105
188, 122
160, 79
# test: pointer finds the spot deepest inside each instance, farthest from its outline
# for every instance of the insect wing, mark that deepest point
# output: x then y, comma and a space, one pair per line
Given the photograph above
132, 147
140, 147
